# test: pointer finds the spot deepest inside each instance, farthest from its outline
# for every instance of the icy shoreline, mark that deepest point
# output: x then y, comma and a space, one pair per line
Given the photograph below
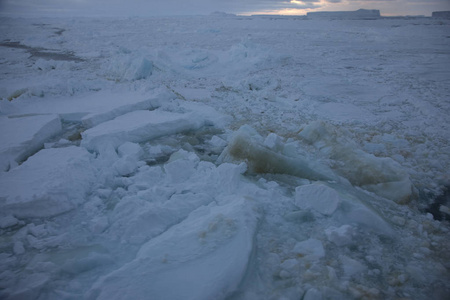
224, 158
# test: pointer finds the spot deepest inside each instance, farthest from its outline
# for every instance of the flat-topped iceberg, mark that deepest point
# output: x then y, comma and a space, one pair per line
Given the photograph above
360, 14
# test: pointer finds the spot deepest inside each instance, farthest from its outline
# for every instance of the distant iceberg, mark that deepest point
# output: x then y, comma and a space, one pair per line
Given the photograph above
360, 14
221, 14
441, 14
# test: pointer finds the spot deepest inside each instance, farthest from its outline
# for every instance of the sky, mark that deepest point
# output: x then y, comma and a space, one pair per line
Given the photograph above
202, 7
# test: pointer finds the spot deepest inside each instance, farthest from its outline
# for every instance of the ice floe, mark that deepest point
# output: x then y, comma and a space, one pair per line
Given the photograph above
217, 242
24, 135
37, 189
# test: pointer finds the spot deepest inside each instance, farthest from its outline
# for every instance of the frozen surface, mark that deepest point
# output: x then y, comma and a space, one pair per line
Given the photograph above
224, 158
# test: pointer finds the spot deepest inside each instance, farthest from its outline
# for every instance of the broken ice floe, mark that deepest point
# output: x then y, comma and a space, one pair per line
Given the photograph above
143, 125
247, 145
380, 175
37, 189
91, 109
138, 126
318, 197
24, 135
129, 66
216, 240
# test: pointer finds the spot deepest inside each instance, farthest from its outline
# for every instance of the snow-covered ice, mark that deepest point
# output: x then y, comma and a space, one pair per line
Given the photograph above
215, 157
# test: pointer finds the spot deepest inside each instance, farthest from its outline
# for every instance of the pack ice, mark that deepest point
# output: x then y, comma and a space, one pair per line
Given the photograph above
224, 157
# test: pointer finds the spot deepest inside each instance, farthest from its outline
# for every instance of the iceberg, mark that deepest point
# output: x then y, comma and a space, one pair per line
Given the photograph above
441, 14
360, 14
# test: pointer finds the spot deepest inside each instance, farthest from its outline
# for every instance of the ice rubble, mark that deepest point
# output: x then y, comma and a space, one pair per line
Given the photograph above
383, 176
330, 195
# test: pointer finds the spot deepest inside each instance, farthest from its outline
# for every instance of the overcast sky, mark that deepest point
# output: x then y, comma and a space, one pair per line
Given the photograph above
193, 7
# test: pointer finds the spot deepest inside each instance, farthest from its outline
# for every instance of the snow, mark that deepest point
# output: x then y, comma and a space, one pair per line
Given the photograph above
215, 157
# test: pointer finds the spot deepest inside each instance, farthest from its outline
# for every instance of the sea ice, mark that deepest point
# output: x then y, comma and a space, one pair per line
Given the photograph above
352, 266
90, 108
138, 126
127, 223
317, 196
311, 249
130, 67
381, 175
181, 166
38, 189
341, 236
216, 245
21, 136
247, 145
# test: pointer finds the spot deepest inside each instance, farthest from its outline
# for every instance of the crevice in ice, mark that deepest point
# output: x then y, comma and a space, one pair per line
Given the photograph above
70, 135
204, 142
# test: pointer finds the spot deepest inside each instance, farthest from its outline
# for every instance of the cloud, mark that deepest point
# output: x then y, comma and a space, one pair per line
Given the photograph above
157, 7
192, 7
